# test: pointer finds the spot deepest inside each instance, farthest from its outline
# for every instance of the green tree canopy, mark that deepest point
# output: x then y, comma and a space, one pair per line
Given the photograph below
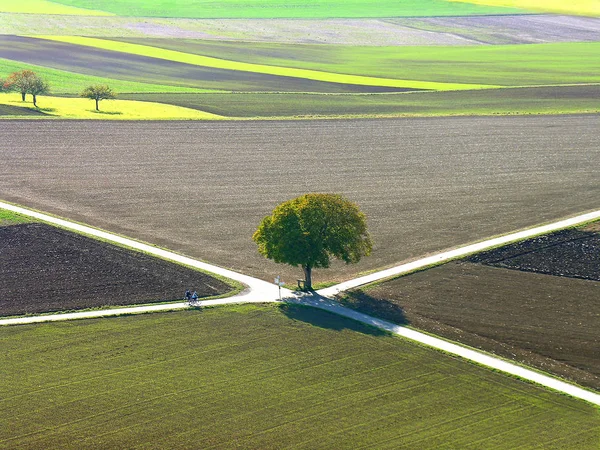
98, 92
310, 230
37, 87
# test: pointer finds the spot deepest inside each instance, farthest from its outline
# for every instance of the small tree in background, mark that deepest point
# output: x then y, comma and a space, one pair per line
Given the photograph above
37, 87
310, 230
98, 92
20, 82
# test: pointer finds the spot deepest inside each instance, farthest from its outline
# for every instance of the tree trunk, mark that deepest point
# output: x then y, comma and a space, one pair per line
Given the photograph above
97, 105
34, 100
23, 95
307, 277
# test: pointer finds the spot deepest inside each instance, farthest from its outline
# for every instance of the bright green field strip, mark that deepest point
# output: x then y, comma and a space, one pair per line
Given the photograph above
543, 100
578, 7
263, 377
82, 108
218, 63
48, 7
507, 65
268, 9
64, 82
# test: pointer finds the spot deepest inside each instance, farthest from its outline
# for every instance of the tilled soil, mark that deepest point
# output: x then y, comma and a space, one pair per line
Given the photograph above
202, 188
44, 269
568, 253
463, 30
547, 321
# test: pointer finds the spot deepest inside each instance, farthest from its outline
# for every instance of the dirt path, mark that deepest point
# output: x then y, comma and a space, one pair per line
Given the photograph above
261, 292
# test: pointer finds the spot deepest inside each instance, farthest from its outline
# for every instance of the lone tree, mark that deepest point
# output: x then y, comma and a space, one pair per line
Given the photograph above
310, 230
98, 92
38, 87
20, 82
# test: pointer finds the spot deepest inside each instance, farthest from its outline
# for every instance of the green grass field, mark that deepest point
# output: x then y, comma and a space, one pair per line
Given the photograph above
432, 67
295, 72
263, 377
269, 9
11, 218
542, 100
505, 65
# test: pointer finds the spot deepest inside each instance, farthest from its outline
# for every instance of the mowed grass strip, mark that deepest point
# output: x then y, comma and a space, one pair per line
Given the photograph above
262, 377
269, 9
11, 218
49, 7
578, 7
505, 65
81, 108
540, 100
70, 82
218, 63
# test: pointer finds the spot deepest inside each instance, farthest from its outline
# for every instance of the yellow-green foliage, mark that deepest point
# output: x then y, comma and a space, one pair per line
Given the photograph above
46, 7
81, 108
578, 7
206, 61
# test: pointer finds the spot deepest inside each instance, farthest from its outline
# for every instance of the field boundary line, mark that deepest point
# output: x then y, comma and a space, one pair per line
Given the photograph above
458, 253
452, 348
263, 292
257, 288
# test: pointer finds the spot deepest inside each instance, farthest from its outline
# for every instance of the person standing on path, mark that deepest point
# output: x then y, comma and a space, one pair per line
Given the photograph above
188, 295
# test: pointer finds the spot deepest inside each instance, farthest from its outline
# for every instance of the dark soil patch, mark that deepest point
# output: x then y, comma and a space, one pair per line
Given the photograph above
529, 315
567, 253
45, 269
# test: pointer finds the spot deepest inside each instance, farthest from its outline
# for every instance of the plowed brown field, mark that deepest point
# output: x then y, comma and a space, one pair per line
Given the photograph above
535, 314
45, 269
202, 187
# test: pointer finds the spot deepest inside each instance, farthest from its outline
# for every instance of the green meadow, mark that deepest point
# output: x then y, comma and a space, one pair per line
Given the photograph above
538, 100
11, 218
270, 9
263, 377
506, 65
432, 67
219, 63
291, 77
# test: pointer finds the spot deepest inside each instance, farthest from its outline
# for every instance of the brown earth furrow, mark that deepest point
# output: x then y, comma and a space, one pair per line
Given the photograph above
44, 269
203, 187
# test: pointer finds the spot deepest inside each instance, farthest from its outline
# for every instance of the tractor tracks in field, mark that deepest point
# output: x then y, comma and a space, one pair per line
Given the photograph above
260, 291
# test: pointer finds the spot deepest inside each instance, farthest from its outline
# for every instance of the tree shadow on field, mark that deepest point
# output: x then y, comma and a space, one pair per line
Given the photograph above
327, 320
106, 113
360, 301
